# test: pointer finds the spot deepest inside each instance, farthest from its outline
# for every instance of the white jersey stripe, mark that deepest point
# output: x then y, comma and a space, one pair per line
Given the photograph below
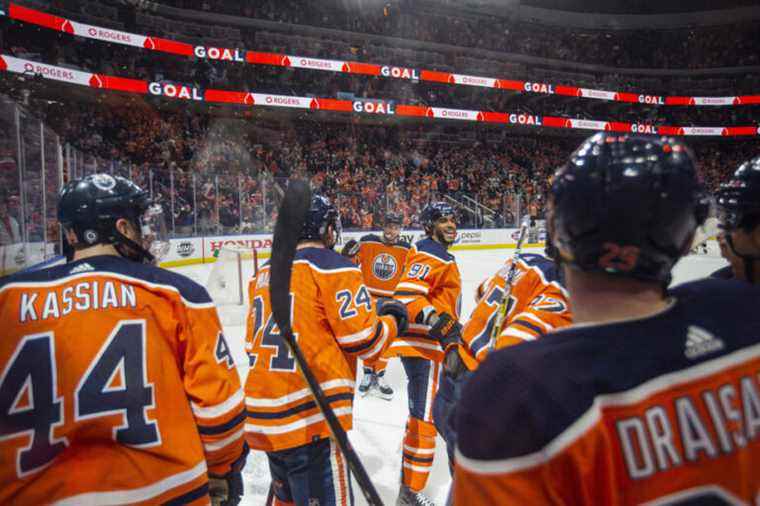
254, 402
413, 286
512, 332
356, 336
219, 409
107, 274
136, 494
297, 425
420, 469
592, 416
218, 445
378, 345
419, 451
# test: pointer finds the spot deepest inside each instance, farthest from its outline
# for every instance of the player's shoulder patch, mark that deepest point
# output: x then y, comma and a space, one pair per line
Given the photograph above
188, 289
371, 238
548, 268
325, 259
511, 410
434, 248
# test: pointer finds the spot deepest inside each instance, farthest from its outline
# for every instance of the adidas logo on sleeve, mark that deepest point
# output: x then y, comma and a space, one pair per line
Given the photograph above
700, 342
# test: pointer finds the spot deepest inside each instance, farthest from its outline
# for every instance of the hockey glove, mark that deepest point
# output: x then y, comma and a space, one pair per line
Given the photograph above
446, 330
452, 363
350, 249
226, 490
397, 310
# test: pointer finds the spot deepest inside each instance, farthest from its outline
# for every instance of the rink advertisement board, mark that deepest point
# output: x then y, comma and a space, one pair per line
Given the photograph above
194, 250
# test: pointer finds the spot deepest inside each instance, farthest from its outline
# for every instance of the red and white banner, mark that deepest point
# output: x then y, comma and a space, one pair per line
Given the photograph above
61, 24
180, 91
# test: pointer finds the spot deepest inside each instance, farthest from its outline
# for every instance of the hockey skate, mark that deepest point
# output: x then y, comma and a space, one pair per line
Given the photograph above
366, 383
380, 388
408, 497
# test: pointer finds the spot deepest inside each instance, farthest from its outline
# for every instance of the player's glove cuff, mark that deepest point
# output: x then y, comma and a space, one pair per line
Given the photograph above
226, 490
397, 310
350, 249
446, 330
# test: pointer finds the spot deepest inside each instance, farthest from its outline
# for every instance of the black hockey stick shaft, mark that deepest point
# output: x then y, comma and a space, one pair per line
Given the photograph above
290, 220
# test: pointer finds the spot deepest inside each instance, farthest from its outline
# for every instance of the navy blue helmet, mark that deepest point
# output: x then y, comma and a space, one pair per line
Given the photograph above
322, 213
393, 219
91, 206
738, 200
433, 212
627, 205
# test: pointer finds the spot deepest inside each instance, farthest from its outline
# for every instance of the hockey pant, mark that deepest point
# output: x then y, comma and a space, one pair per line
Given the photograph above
315, 473
419, 439
444, 412
377, 366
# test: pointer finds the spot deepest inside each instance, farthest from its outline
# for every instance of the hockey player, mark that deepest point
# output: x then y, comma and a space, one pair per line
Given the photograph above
381, 260
537, 305
335, 322
739, 219
431, 289
650, 397
116, 383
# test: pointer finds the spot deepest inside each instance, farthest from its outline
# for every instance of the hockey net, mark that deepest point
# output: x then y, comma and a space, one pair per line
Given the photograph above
705, 242
228, 282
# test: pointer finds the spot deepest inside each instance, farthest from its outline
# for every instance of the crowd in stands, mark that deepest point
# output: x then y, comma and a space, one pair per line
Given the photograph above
222, 174
111, 59
702, 47
215, 172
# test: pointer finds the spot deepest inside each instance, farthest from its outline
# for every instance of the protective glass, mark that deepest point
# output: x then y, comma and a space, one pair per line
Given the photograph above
155, 233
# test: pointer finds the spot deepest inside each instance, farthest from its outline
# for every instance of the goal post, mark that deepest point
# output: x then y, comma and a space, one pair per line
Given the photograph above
228, 281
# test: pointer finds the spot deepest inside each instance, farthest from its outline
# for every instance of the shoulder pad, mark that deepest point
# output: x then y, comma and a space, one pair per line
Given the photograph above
723, 273
548, 268
712, 287
435, 249
403, 244
370, 238
324, 259
188, 289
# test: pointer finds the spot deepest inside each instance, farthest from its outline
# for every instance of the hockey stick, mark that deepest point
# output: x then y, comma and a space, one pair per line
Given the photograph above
501, 313
290, 220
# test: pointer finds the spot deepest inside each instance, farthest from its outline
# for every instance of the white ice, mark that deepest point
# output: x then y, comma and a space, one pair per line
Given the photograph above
379, 424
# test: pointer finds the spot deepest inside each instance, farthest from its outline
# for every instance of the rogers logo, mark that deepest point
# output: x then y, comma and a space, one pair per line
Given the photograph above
275, 100
316, 63
478, 81
51, 72
452, 113
92, 31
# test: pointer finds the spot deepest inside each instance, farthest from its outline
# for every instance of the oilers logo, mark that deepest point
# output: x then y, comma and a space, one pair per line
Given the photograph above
384, 266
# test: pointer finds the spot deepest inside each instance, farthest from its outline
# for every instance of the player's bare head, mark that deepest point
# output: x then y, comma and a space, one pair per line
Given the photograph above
392, 227
439, 221
738, 203
626, 205
322, 223
101, 209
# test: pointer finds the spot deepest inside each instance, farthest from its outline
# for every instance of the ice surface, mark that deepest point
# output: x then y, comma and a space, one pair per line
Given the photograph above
379, 424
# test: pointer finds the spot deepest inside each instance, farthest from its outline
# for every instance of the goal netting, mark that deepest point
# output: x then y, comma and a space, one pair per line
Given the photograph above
705, 242
228, 282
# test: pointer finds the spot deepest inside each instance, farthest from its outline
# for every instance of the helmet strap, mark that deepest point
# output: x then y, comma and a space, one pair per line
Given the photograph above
131, 250
749, 260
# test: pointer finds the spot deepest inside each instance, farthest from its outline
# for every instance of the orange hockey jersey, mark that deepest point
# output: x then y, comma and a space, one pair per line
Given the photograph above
116, 386
430, 281
381, 264
334, 322
661, 410
537, 305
